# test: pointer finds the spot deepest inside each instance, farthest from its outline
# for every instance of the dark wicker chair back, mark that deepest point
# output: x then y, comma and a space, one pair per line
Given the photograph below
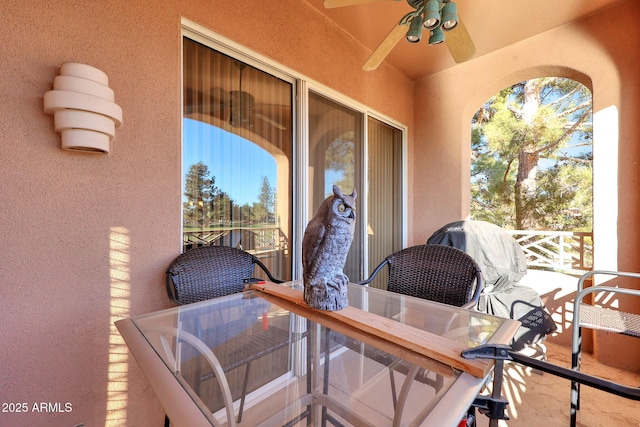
434, 272
210, 272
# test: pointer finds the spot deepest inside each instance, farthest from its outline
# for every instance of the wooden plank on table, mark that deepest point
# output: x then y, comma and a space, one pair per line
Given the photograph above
362, 336
422, 342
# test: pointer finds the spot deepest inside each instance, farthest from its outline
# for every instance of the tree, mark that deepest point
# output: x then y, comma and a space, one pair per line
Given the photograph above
541, 119
340, 157
206, 204
221, 208
264, 209
199, 190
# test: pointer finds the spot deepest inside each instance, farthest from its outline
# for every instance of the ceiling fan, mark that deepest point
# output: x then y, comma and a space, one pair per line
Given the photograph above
438, 17
238, 107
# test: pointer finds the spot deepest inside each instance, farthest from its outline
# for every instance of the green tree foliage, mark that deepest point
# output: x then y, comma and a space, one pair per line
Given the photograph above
531, 166
199, 192
264, 209
206, 205
340, 156
222, 208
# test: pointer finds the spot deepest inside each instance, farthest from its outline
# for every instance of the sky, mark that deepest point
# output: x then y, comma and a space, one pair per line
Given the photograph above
237, 164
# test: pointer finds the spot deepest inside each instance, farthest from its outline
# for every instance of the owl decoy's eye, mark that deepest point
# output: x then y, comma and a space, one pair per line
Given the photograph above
342, 207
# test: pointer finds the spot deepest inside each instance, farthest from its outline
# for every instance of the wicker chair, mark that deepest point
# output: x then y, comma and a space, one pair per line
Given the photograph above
434, 272
210, 272
215, 271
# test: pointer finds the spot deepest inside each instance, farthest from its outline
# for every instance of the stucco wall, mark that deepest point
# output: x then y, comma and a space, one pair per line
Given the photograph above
86, 238
595, 51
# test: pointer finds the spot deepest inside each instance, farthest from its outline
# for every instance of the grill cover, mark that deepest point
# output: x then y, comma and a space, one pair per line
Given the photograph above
503, 264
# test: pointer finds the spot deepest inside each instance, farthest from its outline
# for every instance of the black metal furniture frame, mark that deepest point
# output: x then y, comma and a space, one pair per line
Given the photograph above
596, 318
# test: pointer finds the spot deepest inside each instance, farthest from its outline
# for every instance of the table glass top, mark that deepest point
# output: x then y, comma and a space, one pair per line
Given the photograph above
295, 364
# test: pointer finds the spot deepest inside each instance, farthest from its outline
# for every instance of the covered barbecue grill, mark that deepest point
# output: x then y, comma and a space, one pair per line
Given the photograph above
503, 264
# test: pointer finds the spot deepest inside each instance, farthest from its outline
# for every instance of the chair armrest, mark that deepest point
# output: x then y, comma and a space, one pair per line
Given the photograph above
604, 272
266, 271
477, 291
374, 273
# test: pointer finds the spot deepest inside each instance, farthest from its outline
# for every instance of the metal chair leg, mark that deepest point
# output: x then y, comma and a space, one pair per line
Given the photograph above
576, 355
394, 393
325, 382
244, 392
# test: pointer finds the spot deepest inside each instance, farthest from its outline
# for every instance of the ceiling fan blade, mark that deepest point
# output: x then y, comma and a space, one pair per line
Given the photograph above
329, 4
270, 121
459, 43
387, 45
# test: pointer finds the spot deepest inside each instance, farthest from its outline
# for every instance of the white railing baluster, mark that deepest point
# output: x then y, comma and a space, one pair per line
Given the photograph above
558, 250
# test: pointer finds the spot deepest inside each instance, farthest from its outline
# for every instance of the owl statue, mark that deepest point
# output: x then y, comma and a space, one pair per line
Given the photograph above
325, 246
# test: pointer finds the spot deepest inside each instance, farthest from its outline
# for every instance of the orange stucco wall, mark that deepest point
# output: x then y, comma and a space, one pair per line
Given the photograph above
603, 57
86, 238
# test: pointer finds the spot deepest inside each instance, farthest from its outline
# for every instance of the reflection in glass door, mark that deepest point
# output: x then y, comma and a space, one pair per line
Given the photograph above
384, 201
335, 152
237, 157
337, 156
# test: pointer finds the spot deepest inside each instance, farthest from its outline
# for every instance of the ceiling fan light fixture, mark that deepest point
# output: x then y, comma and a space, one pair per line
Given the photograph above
449, 16
415, 29
437, 36
431, 14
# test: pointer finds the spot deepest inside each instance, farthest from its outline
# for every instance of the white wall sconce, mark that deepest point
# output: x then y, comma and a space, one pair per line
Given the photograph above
83, 108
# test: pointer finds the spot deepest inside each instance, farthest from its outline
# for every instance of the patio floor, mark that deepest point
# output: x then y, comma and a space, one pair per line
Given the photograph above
543, 400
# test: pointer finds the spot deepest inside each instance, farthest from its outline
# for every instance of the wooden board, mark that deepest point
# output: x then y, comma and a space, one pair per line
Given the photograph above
411, 338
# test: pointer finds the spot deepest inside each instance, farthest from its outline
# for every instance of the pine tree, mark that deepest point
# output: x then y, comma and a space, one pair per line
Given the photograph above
539, 119
199, 189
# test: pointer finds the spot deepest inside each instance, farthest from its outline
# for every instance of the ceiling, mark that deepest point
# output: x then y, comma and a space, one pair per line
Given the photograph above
492, 24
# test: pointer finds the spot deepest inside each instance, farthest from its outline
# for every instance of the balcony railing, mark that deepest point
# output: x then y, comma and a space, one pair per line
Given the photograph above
255, 240
545, 250
556, 250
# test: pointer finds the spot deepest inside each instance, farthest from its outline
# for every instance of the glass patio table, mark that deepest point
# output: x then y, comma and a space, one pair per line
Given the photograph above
386, 360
